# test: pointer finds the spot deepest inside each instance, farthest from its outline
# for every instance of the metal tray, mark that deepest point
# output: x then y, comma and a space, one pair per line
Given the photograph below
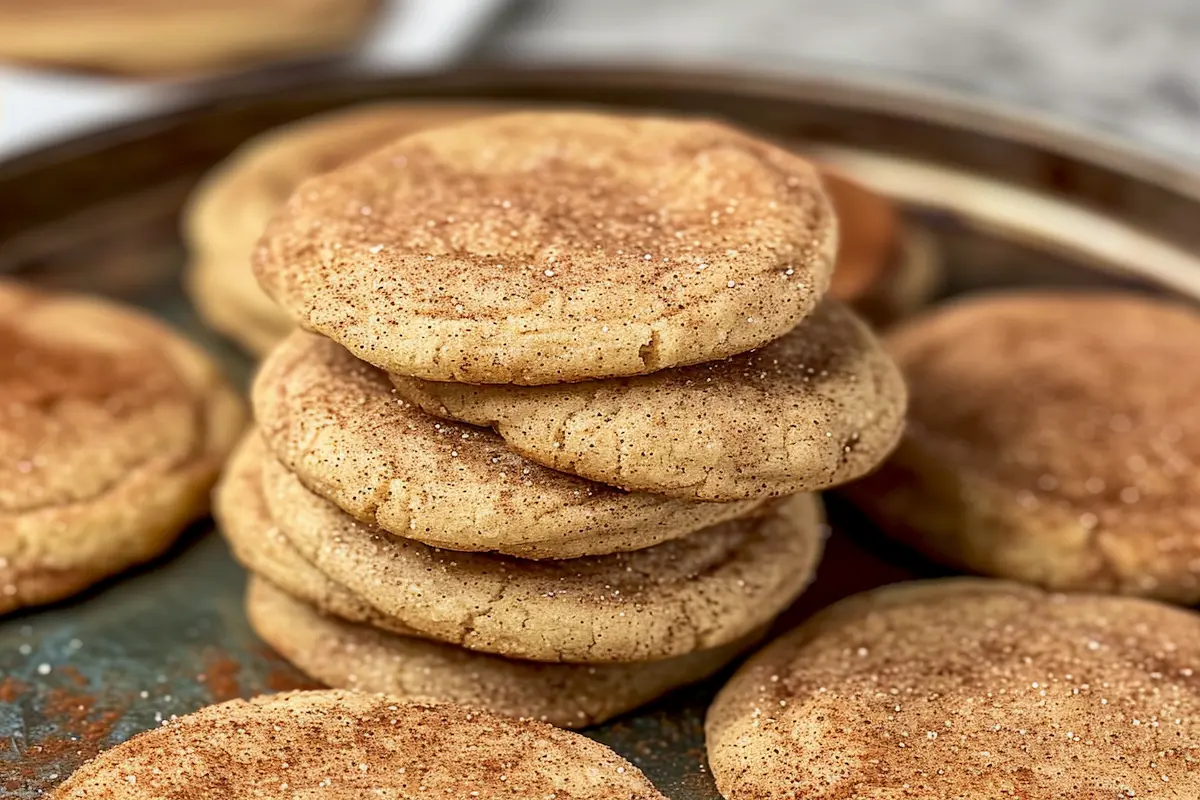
1012, 201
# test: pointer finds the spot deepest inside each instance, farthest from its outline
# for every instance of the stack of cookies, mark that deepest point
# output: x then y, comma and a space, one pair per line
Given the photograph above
547, 440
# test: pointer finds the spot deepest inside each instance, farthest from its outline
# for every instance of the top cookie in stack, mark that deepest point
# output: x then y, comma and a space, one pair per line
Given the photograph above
594, 288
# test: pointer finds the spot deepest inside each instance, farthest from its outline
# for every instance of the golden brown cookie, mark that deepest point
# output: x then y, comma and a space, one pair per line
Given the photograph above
1051, 439
232, 304
112, 431
695, 593
909, 283
817, 407
259, 545
968, 689
543, 247
343, 745
869, 231
887, 267
149, 37
339, 425
365, 659
231, 206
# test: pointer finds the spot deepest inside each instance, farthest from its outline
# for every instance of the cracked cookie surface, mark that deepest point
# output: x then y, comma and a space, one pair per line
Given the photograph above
258, 545
970, 689
1051, 438
112, 431
232, 205
365, 659
817, 407
698, 592
343, 745
339, 425
339, 639
543, 247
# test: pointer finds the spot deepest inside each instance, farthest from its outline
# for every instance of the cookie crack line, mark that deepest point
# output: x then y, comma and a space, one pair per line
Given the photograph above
568, 463
648, 353
469, 625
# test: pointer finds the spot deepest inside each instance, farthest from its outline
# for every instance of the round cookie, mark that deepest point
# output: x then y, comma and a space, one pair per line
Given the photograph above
258, 544
887, 267
869, 229
232, 205
364, 659
1051, 438
689, 594
337, 744
112, 431
817, 407
544, 247
909, 284
149, 37
969, 689
338, 424
222, 299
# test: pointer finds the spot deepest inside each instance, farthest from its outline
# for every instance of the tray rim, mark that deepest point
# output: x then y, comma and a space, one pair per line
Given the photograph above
942, 108
900, 97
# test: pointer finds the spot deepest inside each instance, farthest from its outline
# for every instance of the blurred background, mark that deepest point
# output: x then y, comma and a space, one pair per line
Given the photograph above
1129, 69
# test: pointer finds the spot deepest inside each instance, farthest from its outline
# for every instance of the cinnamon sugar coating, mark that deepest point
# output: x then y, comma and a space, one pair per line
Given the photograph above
543, 247
1051, 438
229, 209
698, 592
968, 689
338, 424
818, 407
112, 431
366, 659
344, 745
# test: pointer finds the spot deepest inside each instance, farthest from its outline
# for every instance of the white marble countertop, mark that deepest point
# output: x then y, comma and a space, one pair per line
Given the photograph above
1128, 68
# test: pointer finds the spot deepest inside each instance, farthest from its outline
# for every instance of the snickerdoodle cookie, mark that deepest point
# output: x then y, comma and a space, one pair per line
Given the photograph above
284, 606
230, 208
1051, 438
967, 689
818, 407
337, 422
112, 431
869, 227
336, 744
910, 284
149, 37
359, 657
258, 544
702, 591
887, 267
543, 247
